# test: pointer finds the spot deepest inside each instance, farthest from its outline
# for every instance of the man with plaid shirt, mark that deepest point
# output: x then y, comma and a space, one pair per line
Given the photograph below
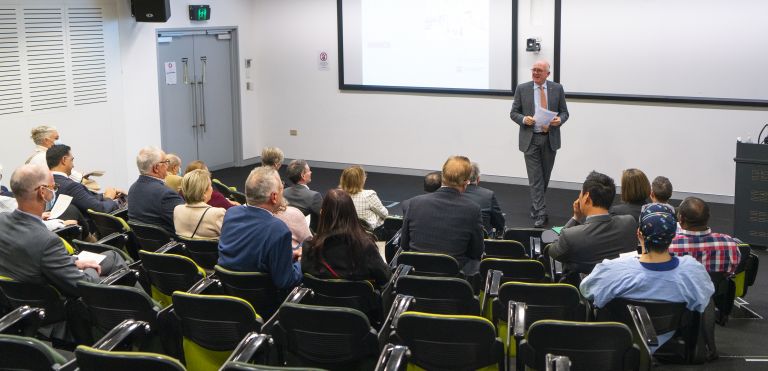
717, 252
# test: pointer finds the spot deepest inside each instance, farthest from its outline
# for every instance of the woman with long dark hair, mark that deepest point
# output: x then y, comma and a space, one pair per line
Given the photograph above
342, 248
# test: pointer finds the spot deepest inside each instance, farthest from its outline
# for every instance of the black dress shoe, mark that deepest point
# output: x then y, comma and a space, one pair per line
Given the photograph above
541, 221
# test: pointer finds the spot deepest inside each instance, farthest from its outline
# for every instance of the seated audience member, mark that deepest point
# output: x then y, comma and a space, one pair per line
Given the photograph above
444, 221
299, 195
342, 249
432, 181
717, 252
272, 156
654, 275
29, 252
367, 204
493, 219
593, 234
197, 219
253, 239
45, 137
635, 190
296, 222
149, 200
661, 190
217, 199
8, 204
173, 179
61, 162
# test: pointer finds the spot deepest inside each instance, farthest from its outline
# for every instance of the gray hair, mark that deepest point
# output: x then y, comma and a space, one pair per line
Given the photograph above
148, 157
27, 178
174, 160
475, 174
271, 156
295, 170
41, 133
261, 183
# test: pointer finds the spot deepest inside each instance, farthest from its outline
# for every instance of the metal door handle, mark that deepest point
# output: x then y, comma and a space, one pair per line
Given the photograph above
203, 59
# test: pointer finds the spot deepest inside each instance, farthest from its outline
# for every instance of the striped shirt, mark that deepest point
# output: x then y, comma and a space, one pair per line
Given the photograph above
717, 252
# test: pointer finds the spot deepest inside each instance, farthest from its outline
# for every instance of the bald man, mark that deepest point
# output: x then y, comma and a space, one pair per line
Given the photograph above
539, 142
29, 252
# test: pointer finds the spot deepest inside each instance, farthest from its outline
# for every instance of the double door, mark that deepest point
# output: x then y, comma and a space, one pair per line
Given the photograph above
198, 111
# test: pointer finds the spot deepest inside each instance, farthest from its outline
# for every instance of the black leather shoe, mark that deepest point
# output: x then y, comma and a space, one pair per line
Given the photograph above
541, 221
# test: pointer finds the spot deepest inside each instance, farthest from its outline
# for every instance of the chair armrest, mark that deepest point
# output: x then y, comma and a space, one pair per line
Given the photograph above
401, 304
643, 325
402, 270
172, 247
69, 232
393, 358
202, 285
247, 347
515, 320
118, 275
119, 333
24, 312
492, 284
557, 363
115, 240
296, 296
393, 262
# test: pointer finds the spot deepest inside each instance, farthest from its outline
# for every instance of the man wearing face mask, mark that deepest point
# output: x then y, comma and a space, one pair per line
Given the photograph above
253, 239
593, 234
31, 253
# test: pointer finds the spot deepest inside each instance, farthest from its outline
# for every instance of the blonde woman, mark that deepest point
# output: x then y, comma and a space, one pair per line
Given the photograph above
367, 204
197, 219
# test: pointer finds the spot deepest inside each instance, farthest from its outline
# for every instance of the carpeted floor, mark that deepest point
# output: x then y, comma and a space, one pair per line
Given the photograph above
741, 343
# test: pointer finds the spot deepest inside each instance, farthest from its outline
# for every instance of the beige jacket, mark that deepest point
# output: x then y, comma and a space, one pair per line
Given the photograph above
187, 216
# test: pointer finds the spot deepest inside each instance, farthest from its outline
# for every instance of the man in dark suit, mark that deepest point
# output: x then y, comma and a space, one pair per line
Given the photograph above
61, 162
593, 234
539, 141
493, 218
299, 195
29, 252
445, 221
149, 200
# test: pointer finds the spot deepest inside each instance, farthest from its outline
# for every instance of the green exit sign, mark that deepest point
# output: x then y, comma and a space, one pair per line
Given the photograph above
199, 12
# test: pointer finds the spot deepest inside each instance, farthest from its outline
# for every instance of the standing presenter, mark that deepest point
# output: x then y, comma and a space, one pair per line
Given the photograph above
539, 141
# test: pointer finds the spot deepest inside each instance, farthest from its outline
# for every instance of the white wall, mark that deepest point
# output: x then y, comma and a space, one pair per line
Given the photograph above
693, 145
139, 64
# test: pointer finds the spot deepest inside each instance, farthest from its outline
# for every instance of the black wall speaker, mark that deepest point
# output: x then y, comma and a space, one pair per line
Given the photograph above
151, 10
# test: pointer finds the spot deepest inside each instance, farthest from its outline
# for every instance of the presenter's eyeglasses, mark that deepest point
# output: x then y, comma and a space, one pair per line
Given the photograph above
538, 70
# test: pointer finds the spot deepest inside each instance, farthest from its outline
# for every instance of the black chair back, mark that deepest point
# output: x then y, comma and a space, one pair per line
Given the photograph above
504, 249
429, 264
17, 294
441, 295
150, 237
25, 353
255, 287
523, 235
359, 295
204, 252
444, 342
110, 305
591, 346
326, 337
520, 270
556, 301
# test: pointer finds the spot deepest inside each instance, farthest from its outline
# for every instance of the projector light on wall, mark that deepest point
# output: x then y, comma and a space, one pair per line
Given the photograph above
533, 45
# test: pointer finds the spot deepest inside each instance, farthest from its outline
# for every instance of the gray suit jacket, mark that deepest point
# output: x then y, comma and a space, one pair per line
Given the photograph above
304, 199
30, 253
524, 105
581, 246
443, 222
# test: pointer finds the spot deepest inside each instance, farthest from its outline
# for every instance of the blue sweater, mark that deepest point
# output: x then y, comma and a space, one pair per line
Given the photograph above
254, 240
